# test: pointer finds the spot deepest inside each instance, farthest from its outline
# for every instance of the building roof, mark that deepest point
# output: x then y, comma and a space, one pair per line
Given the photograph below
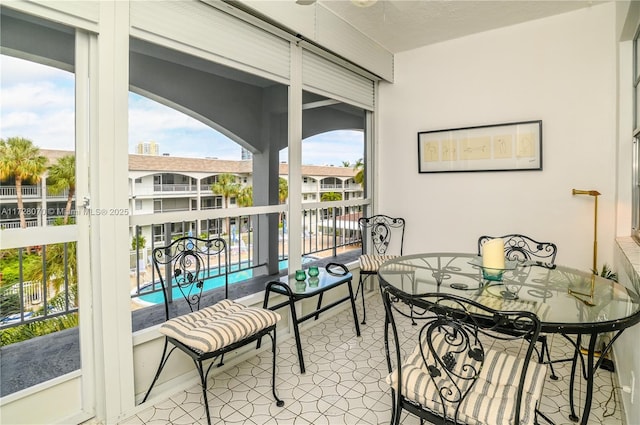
53, 155
321, 170
177, 164
174, 164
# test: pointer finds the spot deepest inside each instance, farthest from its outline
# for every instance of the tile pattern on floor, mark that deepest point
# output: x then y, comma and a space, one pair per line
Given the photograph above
344, 383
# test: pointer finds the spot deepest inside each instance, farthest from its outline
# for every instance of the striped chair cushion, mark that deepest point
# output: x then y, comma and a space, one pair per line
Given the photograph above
371, 263
491, 400
499, 303
219, 325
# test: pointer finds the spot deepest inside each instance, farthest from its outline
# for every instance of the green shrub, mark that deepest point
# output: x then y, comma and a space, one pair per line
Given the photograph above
607, 273
9, 304
138, 242
10, 267
34, 329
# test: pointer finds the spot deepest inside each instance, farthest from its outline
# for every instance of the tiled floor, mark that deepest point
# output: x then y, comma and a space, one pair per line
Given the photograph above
344, 384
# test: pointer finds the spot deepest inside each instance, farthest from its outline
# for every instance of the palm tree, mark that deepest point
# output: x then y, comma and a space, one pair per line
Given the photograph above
359, 168
61, 269
283, 190
62, 176
346, 164
20, 158
245, 196
59, 256
226, 185
283, 194
331, 196
138, 241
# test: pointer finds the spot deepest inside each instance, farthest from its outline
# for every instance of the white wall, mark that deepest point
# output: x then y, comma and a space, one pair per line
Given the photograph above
561, 70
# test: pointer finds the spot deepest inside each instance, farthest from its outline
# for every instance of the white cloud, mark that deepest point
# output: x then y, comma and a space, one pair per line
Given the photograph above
38, 96
14, 70
15, 121
333, 148
153, 117
37, 102
175, 132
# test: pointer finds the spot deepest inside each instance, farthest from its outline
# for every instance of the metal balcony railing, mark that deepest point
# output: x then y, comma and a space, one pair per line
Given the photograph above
26, 299
15, 223
184, 187
28, 191
326, 186
64, 194
326, 231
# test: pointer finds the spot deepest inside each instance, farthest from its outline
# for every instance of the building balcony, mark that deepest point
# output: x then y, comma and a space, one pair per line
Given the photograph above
175, 188
327, 186
59, 195
28, 192
14, 223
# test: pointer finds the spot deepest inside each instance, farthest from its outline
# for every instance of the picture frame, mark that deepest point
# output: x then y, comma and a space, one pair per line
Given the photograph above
500, 147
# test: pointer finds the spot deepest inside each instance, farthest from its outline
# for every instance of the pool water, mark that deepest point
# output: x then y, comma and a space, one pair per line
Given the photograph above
211, 283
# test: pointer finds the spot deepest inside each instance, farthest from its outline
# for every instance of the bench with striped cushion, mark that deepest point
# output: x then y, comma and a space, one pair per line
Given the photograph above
492, 395
206, 334
219, 325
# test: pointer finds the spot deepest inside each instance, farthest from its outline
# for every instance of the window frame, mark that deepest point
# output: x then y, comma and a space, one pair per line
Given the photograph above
635, 158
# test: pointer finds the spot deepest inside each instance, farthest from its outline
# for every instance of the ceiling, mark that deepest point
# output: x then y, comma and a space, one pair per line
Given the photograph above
399, 25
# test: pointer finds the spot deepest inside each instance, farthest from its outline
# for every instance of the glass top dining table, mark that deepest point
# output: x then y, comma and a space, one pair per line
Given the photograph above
567, 301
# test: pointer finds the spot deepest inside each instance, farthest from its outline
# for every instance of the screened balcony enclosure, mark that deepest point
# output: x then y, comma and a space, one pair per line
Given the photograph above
174, 196
281, 82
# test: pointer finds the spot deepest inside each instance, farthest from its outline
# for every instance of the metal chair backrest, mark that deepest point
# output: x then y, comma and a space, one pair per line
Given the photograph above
187, 264
382, 234
453, 341
522, 248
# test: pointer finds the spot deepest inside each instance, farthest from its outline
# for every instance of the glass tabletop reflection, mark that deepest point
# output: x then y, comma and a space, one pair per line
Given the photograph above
312, 285
566, 300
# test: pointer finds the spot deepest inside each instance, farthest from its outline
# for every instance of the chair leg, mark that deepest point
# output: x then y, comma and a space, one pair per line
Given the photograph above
203, 383
163, 361
543, 416
393, 407
398, 413
545, 350
319, 305
361, 281
279, 402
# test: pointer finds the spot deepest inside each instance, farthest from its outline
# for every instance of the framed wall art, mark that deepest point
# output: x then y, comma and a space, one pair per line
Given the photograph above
501, 147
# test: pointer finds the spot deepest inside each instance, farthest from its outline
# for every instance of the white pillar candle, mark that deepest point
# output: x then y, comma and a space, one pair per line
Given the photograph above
493, 254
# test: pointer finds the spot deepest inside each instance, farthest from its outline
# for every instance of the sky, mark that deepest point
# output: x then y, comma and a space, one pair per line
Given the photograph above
36, 102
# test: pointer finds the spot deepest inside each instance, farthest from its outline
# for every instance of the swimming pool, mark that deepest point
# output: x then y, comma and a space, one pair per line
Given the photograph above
211, 283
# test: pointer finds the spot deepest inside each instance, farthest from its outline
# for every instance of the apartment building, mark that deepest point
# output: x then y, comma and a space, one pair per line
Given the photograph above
162, 183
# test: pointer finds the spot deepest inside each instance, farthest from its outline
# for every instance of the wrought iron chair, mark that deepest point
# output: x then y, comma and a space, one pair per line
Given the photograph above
522, 248
382, 240
205, 333
463, 369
